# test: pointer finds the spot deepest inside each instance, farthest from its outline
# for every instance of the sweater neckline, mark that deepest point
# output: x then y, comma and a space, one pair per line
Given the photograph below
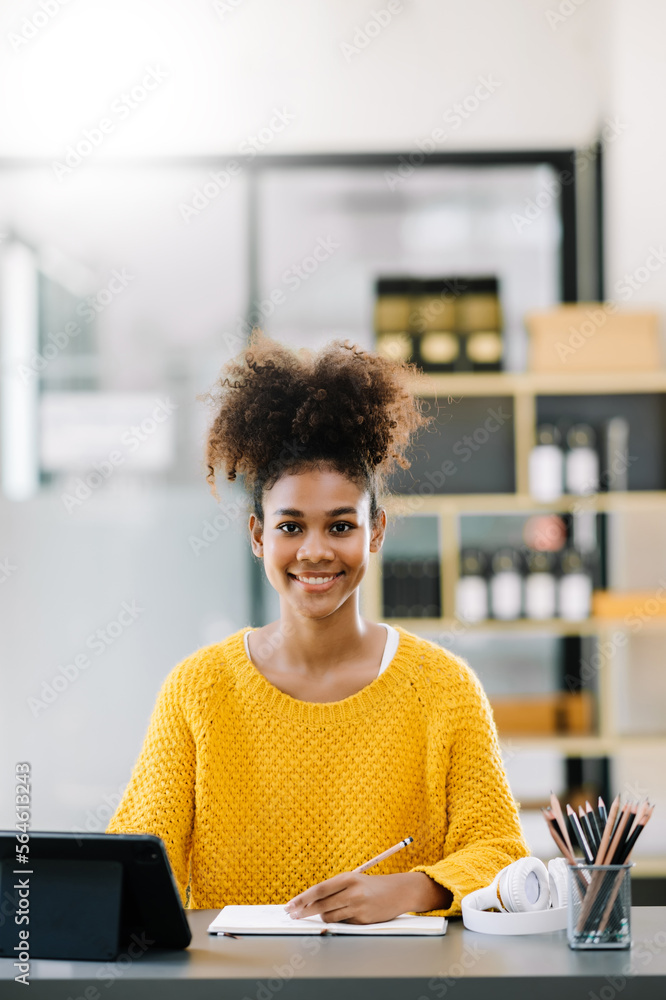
345, 710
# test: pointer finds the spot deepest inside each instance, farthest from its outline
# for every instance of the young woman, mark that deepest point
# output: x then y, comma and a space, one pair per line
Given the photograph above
282, 758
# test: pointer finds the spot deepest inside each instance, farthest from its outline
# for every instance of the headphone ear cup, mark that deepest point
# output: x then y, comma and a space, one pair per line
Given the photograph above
523, 886
558, 882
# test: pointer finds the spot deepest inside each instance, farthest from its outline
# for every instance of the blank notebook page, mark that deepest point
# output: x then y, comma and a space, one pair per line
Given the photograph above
272, 919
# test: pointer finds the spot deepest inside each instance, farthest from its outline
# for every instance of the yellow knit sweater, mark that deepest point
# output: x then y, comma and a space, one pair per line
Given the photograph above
258, 795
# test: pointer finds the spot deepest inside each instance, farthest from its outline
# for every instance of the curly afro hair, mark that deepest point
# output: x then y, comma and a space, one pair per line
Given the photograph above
280, 410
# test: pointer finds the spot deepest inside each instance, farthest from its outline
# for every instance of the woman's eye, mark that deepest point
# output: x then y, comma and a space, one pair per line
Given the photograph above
338, 524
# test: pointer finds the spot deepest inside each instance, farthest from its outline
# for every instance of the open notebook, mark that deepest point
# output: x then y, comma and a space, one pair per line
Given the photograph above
272, 919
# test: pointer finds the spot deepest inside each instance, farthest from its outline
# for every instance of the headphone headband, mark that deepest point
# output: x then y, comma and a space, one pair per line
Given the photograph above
525, 911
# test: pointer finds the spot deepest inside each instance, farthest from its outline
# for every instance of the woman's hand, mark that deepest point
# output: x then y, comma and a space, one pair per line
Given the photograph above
357, 898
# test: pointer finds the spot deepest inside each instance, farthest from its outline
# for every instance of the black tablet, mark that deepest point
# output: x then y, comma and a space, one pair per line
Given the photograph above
92, 896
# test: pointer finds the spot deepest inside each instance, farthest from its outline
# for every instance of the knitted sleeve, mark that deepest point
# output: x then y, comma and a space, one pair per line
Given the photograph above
483, 833
159, 798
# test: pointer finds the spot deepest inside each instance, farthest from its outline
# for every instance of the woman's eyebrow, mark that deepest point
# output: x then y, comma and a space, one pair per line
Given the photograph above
292, 512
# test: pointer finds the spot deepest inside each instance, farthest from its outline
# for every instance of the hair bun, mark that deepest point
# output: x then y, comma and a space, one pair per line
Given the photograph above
278, 408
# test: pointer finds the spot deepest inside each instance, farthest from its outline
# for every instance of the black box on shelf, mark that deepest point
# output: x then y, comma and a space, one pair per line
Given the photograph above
441, 324
411, 588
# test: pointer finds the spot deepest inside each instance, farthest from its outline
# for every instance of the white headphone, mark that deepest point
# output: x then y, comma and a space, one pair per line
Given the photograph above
530, 897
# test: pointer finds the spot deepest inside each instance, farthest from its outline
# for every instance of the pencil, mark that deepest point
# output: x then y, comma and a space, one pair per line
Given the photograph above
643, 815
587, 828
603, 815
635, 833
554, 832
580, 836
594, 826
561, 822
639, 814
615, 825
603, 846
385, 854
598, 877
628, 825
624, 818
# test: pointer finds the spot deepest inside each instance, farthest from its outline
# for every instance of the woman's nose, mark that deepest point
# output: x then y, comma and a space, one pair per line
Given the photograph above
315, 546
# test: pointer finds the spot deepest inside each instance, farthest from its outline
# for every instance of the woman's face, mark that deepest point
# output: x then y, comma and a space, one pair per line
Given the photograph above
316, 528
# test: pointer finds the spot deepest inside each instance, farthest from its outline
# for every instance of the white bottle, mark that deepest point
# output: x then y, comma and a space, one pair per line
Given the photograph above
574, 592
540, 586
546, 465
472, 587
506, 585
582, 461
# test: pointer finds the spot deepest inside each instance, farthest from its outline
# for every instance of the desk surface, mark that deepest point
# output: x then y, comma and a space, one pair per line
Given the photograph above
261, 968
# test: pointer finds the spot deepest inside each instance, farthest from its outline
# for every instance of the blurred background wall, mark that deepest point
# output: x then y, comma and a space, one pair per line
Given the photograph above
160, 281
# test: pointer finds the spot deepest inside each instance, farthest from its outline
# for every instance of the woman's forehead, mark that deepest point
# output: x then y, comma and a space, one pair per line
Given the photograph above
316, 490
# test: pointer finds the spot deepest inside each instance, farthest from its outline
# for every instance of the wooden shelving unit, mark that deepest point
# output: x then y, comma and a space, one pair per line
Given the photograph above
536, 384
524, 389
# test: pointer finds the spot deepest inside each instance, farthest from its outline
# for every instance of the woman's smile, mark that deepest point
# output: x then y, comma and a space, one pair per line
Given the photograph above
315, 583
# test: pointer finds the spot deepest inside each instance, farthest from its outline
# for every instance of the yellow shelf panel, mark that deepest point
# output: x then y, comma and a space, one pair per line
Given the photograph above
459, 384
550, 626
513, 744
400, 505
648, 867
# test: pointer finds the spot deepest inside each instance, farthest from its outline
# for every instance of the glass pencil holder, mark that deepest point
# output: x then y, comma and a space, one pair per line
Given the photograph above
599, 906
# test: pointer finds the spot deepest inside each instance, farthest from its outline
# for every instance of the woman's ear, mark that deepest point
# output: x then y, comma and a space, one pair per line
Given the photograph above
256, 536
378, 531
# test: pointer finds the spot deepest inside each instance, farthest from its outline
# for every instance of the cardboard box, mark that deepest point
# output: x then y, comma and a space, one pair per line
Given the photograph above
557, 713
612, 604
593, 337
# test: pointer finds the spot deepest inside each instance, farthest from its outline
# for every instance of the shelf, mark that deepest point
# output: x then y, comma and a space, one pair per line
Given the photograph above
579, 746
473, 503
648, 867
550, 626
454, 384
